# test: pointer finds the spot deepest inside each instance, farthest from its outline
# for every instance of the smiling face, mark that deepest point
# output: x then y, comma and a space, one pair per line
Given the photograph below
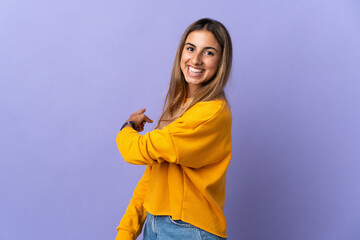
200, 59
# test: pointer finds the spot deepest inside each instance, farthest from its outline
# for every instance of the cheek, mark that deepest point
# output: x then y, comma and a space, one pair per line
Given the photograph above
183, 61
213, 65
184, 58
182, 64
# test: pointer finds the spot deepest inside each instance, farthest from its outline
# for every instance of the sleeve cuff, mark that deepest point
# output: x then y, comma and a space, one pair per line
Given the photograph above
125, 235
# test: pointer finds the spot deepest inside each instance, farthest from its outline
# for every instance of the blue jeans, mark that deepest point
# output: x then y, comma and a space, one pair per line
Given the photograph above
164, 228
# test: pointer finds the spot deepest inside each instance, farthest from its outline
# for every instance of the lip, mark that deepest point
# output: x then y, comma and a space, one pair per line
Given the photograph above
192, 74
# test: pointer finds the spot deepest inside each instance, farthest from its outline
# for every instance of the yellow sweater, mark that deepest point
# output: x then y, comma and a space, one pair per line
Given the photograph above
186, 169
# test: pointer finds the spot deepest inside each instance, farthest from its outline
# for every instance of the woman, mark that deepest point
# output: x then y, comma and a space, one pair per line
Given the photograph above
182, 191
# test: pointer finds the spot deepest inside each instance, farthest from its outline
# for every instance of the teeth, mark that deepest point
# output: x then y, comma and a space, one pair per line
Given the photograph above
195, 70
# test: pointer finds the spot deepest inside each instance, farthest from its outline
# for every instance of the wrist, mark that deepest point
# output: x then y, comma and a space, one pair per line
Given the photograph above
128, 124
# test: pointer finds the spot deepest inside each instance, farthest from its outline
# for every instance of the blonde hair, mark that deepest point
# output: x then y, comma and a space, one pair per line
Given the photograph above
213, 89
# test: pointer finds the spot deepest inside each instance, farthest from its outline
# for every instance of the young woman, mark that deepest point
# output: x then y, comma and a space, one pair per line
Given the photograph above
182, 191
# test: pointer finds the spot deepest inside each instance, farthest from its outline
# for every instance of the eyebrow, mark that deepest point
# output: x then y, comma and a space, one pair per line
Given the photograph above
204, 47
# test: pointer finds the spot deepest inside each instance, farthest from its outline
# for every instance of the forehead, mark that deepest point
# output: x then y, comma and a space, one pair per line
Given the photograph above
202, 38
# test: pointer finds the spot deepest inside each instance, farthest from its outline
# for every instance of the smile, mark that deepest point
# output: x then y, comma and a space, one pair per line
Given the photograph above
195, 71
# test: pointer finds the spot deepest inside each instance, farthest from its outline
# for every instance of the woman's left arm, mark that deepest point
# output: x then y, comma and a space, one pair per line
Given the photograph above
132, 222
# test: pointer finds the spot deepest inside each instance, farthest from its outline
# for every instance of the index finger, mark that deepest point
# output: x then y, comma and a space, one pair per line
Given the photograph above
147, 119
140, 111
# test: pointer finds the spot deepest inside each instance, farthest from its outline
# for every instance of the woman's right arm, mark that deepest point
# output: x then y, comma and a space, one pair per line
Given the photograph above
133, 220
200, 137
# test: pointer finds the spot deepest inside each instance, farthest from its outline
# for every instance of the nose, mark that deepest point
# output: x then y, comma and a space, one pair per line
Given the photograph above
196, 59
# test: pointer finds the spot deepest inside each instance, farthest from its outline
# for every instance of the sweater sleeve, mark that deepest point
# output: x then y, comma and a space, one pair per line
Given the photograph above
133, 220
199, 138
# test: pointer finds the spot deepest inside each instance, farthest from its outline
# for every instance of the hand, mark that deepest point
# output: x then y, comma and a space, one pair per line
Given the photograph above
139, 119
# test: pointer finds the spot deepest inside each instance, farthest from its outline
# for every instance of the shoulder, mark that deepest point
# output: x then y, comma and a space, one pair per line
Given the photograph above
202, 112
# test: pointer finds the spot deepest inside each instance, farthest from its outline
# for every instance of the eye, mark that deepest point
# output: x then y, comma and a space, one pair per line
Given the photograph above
190, 49
209, 53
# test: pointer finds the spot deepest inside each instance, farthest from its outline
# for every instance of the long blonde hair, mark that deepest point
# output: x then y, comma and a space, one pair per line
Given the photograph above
213, 89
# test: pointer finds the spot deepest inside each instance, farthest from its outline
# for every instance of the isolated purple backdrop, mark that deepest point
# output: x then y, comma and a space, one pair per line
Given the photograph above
72, 71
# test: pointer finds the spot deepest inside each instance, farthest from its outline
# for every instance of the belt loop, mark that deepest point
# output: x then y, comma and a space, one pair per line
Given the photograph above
153, 223
156, 224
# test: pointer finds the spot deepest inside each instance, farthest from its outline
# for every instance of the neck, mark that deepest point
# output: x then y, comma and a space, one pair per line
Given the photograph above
191, 89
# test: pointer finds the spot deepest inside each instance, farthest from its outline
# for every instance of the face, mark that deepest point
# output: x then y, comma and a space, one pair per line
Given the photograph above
200, 58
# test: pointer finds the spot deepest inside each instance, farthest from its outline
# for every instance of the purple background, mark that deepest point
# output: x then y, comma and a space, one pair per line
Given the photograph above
73, 71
